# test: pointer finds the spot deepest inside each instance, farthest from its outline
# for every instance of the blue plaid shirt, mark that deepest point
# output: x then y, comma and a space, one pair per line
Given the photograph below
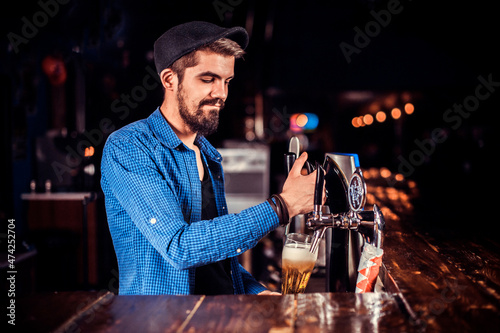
153, 203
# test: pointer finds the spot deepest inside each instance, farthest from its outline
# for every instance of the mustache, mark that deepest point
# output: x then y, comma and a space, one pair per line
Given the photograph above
213, 102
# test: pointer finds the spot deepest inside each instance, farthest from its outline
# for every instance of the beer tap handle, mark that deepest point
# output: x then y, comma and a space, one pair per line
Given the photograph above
375, 220
290, 157
292, 154
316, 221
318, 207
289, 160
318, 190
294, 146
378, 227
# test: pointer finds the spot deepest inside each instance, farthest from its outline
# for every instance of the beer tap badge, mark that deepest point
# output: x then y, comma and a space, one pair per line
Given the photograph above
357, 192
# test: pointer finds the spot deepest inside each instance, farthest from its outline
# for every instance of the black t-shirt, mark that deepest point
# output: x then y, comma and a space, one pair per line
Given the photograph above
214, 278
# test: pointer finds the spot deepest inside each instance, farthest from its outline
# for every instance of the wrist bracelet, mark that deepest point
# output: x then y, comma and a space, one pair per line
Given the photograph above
280, 208
284, 209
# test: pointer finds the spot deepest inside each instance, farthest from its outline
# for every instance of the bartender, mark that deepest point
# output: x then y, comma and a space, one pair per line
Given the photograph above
164, 185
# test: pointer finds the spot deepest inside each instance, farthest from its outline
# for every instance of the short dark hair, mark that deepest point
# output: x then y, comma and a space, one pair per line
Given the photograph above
222, 46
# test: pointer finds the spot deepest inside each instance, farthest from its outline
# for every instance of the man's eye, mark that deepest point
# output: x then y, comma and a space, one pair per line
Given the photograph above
207, 80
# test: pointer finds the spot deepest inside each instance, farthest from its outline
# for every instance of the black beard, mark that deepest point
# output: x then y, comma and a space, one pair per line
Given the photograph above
197, 121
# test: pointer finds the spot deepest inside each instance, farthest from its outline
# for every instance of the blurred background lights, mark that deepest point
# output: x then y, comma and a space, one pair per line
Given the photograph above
409, 108
368, 119
396, 113
373, 112
358, 121
303, 122
384, 172
89, 151
380, 116
89, 169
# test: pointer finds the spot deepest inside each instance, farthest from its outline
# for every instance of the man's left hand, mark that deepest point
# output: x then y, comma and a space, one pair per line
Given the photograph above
269, 292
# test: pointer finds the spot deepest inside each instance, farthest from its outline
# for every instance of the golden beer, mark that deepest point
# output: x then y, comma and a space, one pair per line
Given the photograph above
297, 264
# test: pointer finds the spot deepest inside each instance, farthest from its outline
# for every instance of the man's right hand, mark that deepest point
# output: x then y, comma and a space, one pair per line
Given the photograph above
298, 190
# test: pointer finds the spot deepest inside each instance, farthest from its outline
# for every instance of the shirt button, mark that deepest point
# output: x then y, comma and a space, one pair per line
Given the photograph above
152, 221
238, 250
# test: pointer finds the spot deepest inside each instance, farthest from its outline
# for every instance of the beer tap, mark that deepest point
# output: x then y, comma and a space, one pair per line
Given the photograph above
369, 223
290, 157
293, 153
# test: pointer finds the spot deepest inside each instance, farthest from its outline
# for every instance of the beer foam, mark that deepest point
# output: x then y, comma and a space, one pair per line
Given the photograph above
298, 253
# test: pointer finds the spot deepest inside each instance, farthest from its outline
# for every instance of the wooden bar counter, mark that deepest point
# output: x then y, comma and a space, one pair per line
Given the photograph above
430, 292
431, 284
316, 312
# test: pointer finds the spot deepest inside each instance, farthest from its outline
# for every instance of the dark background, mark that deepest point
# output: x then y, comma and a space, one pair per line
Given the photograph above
431, 51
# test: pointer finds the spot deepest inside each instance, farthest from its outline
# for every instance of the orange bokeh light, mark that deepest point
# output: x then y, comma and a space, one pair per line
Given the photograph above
396, 113
357, 122
368, 119
89, 151
380, 116
301, 120
354, 122
409, 108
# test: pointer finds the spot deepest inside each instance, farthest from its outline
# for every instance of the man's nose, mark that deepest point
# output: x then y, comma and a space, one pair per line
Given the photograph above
219, 90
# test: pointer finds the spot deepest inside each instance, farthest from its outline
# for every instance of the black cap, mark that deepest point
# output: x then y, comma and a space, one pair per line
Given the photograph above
187, 37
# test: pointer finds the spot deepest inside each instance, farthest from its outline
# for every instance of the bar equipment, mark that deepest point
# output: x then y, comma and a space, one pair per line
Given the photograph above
290, 157
343, 219
341, 227
297, 223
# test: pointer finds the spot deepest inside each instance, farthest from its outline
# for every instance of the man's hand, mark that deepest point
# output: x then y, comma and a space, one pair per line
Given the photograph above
298, 190
269, 292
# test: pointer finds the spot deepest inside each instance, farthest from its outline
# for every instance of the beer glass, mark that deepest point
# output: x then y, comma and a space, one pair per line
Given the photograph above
297, 263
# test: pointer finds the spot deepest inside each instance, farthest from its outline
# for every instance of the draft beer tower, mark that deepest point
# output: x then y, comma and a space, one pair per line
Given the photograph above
342, 220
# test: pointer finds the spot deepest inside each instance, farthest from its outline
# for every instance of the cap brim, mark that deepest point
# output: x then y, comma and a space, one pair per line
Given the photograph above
237, 34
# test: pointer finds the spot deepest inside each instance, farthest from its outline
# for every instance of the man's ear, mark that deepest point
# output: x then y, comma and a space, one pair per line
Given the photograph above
168, 79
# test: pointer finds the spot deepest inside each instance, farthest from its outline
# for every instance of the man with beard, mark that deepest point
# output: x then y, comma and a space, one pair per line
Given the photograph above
164, 185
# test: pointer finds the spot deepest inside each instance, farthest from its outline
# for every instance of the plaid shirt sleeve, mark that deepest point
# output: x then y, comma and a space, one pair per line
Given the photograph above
151, 200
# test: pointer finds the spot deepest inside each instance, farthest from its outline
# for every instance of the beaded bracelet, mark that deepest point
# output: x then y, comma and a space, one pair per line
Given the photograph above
279, 207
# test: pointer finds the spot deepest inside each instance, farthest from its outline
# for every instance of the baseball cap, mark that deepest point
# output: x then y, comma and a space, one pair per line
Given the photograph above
187, 37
